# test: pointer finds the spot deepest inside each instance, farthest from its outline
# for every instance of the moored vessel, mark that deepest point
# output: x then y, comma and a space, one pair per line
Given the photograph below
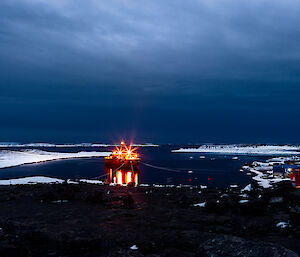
122, 165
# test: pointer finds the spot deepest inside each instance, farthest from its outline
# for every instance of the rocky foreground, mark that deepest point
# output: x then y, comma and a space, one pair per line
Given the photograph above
94, 220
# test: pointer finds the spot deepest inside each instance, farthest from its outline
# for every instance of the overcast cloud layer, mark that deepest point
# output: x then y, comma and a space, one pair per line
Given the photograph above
162, 71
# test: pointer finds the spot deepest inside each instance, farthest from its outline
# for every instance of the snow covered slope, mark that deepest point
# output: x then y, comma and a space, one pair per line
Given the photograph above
16, 158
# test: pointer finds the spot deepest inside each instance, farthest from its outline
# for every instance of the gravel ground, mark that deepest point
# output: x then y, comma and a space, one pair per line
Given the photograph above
92, 220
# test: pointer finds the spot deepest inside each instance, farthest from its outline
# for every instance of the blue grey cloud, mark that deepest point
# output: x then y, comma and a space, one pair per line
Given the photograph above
60, 57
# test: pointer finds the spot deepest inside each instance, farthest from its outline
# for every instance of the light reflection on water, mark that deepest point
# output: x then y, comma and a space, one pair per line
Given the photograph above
197, 168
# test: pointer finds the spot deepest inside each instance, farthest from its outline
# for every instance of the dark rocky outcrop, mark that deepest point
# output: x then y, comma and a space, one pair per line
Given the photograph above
86, 220
224, 245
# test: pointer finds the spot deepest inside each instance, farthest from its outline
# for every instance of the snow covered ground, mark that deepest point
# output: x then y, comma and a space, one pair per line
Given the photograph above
16, 158
30, 180
264, 170
44, 180
244, 149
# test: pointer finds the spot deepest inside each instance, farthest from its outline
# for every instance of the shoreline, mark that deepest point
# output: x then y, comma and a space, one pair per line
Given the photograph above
264, 170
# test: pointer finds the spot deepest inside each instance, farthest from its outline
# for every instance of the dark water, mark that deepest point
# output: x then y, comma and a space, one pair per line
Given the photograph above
214, 170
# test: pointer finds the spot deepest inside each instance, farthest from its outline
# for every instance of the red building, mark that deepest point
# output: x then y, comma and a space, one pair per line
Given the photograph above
295, 177
122, 165
290, 170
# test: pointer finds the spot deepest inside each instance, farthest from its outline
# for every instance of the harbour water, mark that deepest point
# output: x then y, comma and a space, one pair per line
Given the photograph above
159, 165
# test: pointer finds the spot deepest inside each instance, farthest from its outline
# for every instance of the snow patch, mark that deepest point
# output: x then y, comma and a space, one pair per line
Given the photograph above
199, 204
134, 247
92, 181
30, 180
160, 186
282, 224
247, 188
60, 201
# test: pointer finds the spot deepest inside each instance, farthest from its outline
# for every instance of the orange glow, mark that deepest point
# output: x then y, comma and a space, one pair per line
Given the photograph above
121, 164
119, 177
128, 177
124, 152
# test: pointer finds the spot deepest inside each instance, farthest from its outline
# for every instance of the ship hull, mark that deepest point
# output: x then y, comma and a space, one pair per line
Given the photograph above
121, 171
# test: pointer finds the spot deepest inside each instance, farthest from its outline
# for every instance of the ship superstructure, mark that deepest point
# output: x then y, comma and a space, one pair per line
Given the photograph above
122, 165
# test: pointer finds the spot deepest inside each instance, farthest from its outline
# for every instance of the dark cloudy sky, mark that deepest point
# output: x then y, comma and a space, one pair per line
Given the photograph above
157, 71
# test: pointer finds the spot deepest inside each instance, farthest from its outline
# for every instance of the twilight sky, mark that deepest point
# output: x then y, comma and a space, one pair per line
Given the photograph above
155, 71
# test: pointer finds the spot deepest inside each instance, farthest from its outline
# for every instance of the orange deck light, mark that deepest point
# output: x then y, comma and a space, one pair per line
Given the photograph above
119, 177
128, 177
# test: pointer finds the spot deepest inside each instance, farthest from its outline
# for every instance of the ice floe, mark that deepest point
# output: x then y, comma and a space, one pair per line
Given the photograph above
243, 149
16, 158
